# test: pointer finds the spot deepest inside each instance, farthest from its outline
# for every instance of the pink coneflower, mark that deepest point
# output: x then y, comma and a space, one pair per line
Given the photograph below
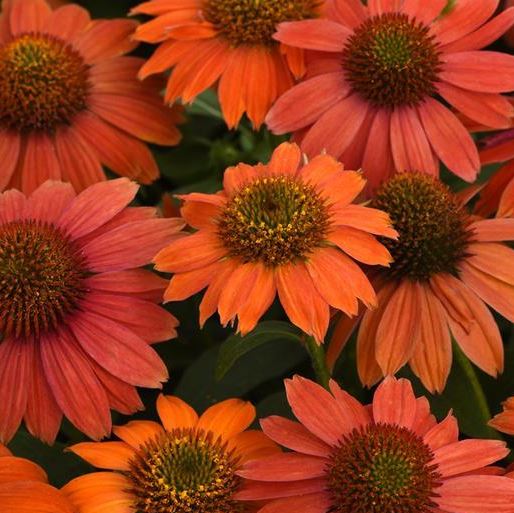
70, 100
76, 314
372, 97
390, 457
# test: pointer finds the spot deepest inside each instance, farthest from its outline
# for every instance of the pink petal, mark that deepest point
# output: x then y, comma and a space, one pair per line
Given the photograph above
28, 17
449, 139
322, 414
336, 129
79, 164
10, 143
129, 246
96, 205
119, 350
263, 490
472, 70
382, 6
122, 397
49, 201
466, 455
350, 13
377, 162
43, 416
322, 35
485, 35
493, 230
465, 17
476, 494
150, 322
493, 290
40, 162
488, 109
311, 503
424, 11
284, 467
66, 21
135, 282
12, 205
294, 436
76, 389
394, 403
304, 103
16, 357
105, 39
442, 434
409, 144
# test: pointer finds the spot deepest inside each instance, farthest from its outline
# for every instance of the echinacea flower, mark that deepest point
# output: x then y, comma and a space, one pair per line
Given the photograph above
281, 227
188, 465
225, 42
504, 421
374, 89
24, 488
70, 100
389, 457
77, 316
448, 265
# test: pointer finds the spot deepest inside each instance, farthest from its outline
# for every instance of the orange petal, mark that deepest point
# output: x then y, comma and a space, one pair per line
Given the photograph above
175, 413
33, 497
227, 418
260, 298
285, 159
397, 332
303, 304
432, 358
323, 266
106, 455
138, 432
366, 219
14, 469
252, 444
100, 492
360, 245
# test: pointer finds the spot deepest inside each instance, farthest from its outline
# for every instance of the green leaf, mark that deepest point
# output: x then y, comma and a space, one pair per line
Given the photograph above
236, 346
264, 365
60, 466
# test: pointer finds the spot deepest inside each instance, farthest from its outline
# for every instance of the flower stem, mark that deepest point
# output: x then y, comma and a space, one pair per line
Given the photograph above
319, 361
476, 387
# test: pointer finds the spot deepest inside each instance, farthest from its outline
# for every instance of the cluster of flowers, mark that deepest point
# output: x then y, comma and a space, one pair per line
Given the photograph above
392, 88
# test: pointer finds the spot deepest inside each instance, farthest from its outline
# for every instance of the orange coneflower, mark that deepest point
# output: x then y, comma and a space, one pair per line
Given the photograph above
24, 488
227, 40
70, 101
282, 227
389, 457
76, 314
373, 93
187, 465
447, 266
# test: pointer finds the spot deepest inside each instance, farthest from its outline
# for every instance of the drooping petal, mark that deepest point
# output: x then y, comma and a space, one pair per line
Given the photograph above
449, 139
